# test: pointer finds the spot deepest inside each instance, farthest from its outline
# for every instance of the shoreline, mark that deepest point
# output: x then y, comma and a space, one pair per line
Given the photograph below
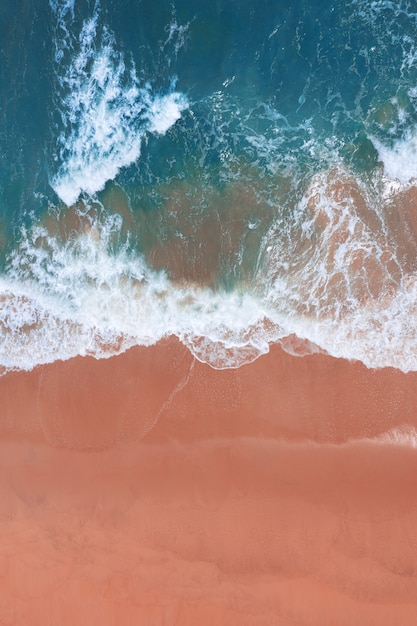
150, 488
312, 398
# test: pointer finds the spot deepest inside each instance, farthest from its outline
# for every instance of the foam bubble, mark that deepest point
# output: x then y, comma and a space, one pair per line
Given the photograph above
164, 111
400, 161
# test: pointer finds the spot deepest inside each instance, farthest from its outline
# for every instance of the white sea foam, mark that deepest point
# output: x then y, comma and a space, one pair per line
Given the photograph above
177, 35
339, 281
106, 110
59, 300
163, 111
332, 281
400, 159
402, 436
406, 436
330, 274
62, 8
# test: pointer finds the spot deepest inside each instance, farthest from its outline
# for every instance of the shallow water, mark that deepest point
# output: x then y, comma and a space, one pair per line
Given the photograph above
236, 174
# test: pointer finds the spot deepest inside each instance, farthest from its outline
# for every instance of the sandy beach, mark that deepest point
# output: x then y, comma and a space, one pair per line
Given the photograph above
151, 489
189, 185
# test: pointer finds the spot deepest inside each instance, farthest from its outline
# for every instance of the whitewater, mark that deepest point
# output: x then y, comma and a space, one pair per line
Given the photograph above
223, 217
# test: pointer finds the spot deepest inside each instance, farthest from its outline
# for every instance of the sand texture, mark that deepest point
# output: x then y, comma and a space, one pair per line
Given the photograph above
149, 489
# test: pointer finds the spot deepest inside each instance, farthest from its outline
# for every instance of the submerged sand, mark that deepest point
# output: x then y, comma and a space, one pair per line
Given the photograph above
151, 489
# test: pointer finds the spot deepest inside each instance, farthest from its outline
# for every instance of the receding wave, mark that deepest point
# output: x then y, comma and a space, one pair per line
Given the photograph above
338, 277
62, 299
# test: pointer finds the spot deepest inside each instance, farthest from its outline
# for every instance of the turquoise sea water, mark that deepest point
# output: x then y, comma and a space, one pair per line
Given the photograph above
233, 173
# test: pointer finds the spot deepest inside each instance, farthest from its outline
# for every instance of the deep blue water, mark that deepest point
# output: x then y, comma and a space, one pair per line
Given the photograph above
230, 172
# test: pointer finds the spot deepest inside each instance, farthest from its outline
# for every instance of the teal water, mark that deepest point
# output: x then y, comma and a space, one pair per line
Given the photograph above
233, 173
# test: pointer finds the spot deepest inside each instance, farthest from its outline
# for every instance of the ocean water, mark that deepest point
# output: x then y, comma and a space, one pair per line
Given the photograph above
233, 173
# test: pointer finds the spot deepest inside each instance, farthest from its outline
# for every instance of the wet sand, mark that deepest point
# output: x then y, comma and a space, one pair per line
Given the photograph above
151, 489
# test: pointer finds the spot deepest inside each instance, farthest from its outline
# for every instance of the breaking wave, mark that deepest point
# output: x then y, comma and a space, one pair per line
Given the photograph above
106, 110
339, 278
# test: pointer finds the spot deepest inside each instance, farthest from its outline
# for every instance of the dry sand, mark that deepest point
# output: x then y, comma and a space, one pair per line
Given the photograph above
149, 489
